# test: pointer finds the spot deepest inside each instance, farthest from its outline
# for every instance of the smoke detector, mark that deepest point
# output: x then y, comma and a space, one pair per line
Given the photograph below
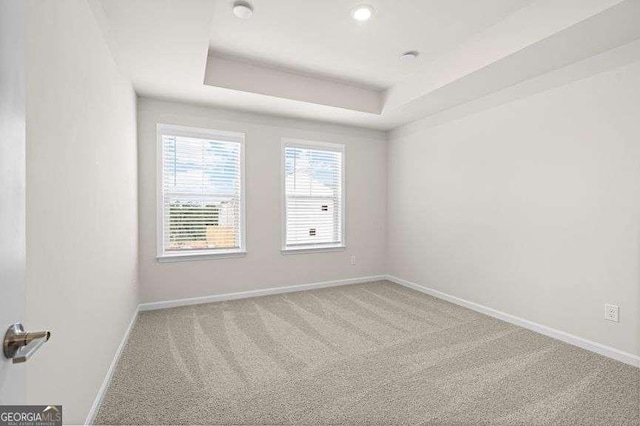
409, 56
242, 9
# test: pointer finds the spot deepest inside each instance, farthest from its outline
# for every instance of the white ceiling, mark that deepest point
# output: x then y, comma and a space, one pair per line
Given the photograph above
320, 37
309, 59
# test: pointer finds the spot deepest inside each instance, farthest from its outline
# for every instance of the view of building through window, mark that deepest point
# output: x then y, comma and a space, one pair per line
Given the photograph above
313, 188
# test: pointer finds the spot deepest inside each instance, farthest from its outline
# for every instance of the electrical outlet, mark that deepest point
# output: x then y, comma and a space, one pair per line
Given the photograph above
353, 260
611, 312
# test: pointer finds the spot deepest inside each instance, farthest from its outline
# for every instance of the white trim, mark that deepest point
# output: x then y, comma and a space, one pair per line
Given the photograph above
200, 133
151, 306
223, 135
313, 249
107, 379
300, 143
580, 342
201, 255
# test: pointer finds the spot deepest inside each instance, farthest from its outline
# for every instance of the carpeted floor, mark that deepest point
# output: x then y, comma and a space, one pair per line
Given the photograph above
374, 353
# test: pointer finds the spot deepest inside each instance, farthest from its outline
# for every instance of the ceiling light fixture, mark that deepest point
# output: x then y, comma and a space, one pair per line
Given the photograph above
409, 56
242, 9
362, 13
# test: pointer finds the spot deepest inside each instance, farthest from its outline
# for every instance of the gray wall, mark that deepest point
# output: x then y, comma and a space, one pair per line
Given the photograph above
531, 208
81, 204
264, 266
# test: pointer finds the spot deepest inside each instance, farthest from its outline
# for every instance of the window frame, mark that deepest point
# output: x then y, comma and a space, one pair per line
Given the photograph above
327, 146
204, 133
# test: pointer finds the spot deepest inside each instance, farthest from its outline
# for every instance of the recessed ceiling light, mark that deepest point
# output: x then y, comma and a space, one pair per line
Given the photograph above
242, 9
409, 56
363, 12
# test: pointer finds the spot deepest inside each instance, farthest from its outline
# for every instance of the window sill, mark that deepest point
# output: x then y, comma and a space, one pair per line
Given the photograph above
200, 256
312, 249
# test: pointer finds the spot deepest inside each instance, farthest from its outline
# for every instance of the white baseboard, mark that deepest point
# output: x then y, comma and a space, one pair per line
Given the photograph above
589, 345
255, 293
105, 383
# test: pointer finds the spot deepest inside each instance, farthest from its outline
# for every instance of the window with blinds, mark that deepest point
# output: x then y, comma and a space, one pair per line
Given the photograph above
201, 199
313, 195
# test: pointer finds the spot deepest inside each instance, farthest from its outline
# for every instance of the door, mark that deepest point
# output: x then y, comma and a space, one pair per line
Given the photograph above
12, 190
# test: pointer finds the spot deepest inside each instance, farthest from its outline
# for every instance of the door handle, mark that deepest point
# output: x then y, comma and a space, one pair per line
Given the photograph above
20, 345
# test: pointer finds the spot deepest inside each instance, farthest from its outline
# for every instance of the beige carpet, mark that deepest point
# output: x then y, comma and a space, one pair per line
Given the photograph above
374, 353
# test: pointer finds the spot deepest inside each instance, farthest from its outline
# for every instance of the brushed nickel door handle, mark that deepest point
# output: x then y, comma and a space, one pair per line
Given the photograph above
20, 345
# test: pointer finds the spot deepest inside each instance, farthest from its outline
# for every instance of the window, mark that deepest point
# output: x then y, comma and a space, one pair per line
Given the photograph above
201, 192
313, 196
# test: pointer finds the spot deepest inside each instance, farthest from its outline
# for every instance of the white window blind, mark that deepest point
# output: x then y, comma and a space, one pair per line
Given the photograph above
201, 199
313, 204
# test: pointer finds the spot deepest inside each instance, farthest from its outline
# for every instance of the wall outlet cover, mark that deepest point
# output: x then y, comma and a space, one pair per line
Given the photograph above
611, 312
